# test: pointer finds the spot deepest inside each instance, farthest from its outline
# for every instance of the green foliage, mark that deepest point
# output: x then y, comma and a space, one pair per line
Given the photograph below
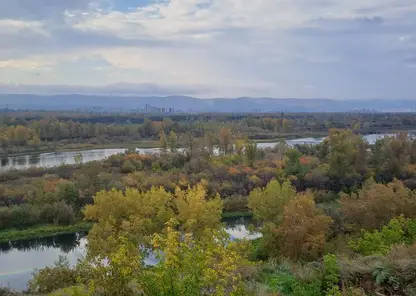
288, 285
24, 216
55, 277
172, 141
398, 231
251, 152
331, 272
293, 166
268, 204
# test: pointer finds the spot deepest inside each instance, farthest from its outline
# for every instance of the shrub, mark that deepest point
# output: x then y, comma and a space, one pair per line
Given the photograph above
55, 277
399, 231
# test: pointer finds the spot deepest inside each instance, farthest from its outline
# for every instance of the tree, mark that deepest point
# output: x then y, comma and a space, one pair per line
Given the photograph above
303, 229
209, 142
268, 204
391, 157
162, 141
376, 204
195, 213
186, 266
293, 166
251, 152
347, 158
225, 140
78, 158
136, 215
173, 139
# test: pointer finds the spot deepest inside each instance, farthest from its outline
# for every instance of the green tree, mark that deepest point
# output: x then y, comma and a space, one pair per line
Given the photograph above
162, 141
173, 140
225, 140
268, 204
251, 152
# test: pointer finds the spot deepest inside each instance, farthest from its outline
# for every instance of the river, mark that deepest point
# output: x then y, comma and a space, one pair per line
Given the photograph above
19, 259
56, 158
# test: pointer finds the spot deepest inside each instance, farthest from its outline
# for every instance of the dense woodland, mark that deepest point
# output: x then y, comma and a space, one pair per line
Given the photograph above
338, 218
40, 131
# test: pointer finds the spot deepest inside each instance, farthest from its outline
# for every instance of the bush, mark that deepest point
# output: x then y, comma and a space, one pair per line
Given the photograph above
399, 231
5, 217
55, 277
236, 204
57, 213
24, 216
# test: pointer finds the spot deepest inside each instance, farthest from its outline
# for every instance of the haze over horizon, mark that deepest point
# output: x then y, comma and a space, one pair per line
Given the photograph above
344, 49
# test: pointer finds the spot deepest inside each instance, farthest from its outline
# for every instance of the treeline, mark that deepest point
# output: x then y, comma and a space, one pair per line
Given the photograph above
30, 130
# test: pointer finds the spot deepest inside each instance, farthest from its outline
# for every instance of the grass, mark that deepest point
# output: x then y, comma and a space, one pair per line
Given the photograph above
226, 215
42, 231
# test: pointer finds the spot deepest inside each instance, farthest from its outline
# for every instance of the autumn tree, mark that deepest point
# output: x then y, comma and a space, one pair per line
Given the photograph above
162, 141
225, 140
185, 266
376, 204
303, 229
137, 215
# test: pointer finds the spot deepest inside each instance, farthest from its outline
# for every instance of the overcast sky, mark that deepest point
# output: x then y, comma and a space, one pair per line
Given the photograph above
209, 48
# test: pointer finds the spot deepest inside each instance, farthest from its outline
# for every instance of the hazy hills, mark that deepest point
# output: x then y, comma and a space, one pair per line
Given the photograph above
190, 104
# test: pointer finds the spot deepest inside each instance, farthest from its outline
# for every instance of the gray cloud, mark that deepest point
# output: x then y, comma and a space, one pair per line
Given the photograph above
347, 54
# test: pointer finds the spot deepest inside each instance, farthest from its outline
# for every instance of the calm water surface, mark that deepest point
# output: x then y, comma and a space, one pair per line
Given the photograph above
57, 158
18, 259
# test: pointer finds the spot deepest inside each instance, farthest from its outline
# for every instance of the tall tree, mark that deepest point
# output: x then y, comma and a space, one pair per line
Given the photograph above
225, 140
303, 229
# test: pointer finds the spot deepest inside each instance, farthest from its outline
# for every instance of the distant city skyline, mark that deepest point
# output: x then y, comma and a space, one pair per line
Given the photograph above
344, 49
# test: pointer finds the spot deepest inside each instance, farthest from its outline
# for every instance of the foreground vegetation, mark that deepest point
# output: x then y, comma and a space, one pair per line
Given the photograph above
338, 218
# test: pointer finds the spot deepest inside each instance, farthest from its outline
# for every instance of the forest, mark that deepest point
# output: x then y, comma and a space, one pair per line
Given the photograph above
22, 132
336, 219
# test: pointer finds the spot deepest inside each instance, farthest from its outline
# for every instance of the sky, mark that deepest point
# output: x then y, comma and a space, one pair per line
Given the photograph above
341, 49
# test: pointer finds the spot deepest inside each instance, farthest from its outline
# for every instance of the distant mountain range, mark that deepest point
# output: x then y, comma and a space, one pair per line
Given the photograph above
190, 104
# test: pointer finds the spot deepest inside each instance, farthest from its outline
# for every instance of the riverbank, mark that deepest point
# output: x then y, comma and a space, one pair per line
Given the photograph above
78, 146
149, 144
42, 231
228, 215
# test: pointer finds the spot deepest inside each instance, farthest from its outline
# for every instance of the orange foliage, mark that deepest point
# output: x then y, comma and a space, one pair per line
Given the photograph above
233, 171
50, 185
305, 160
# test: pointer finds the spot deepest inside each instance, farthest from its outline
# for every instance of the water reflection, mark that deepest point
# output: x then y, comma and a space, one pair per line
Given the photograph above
64, 243
18, 259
